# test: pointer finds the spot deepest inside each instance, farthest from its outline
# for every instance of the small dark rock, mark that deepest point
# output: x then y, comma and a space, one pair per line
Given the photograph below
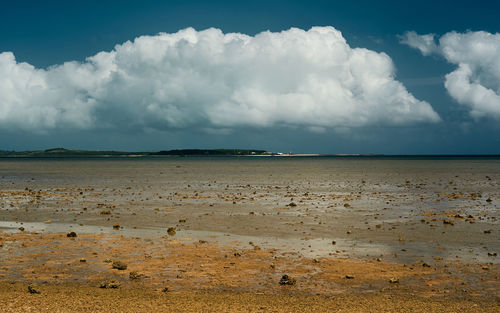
135, 275
119, 265
33, 289
110, 285
71, 234
287, 280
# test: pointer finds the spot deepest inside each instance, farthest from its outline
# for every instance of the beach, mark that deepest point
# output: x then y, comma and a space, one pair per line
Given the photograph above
352, 234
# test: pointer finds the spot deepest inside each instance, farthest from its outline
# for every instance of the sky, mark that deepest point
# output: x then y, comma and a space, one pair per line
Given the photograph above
390, 77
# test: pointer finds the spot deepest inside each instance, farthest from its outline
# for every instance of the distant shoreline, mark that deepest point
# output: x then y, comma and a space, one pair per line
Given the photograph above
61, 153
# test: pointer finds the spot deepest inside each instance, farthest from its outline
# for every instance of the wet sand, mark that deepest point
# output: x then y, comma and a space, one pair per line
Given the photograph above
356, 234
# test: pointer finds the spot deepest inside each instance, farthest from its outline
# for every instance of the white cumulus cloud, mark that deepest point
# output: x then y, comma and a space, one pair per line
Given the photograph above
476, 81
211, 80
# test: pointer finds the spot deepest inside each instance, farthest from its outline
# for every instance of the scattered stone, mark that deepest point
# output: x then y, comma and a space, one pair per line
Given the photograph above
83, 260
165, 289
48, 222
71, 234
21, 228
349, 232
107, 261
287, 280
334, 242
394, 280
292, 204
171, 230
105, 212
448, 222
135, 275
315, 261
349, 276
119, 265
492, 254
425, 265
116, 226
202, 241
33, 289
237, 254
110, 285
488, 231
182, 221
347, 205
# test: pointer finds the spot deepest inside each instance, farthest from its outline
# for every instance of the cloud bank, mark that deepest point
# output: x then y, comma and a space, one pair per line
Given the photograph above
212, 81
476, 81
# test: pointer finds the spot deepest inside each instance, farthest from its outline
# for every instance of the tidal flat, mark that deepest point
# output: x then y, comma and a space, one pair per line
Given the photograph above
353, 234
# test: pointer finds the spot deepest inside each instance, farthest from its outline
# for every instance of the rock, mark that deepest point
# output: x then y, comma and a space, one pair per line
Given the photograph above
425, 265
33, 289
107, 261
119, 265
394, 280
492, 254
349, 232
21, 228
171, 230
488, 231
48, 222
349, 276
448, 222
334, 242
135, 275
83, 260
292, 204
287, 280
116, 226
182, 221
71, 234
165, 289
110, 285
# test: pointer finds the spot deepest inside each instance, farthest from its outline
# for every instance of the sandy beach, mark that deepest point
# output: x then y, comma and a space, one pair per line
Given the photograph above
219, 234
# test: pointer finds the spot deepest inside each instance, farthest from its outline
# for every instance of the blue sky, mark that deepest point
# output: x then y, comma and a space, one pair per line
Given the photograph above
440, 119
